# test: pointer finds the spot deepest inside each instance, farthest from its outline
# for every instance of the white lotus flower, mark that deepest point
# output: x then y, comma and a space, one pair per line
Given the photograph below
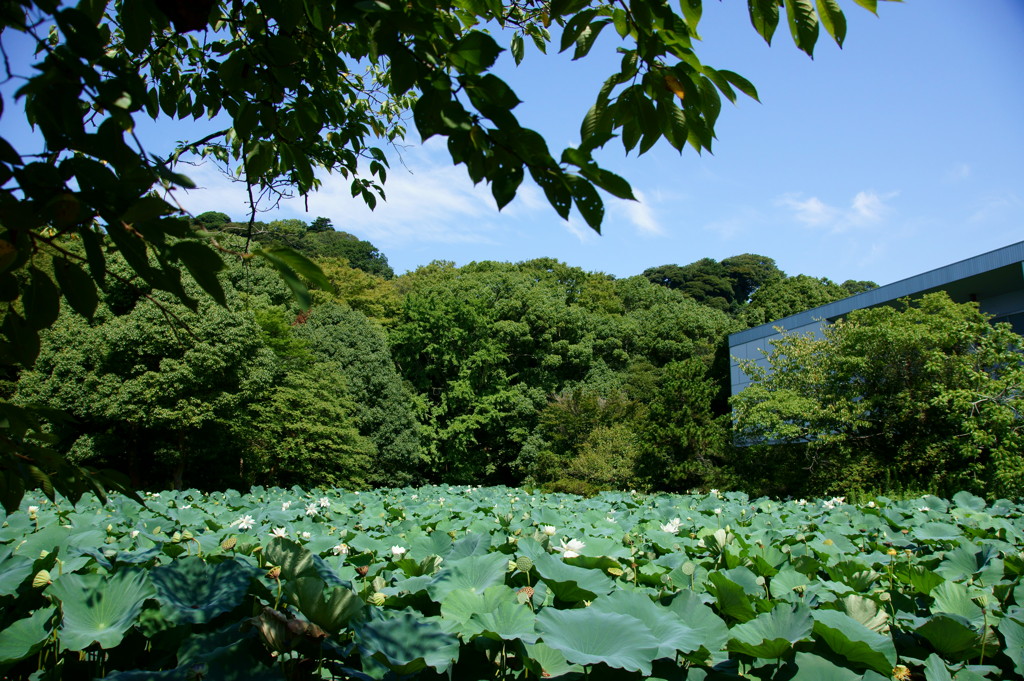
718, 511
871, 504
306, 535
398, 551
311, 509
286, 505
245, 522
571, 548
33, 509
133, 534
549, 530
324, 502
672, 526
340, 550
714, 492
279, 532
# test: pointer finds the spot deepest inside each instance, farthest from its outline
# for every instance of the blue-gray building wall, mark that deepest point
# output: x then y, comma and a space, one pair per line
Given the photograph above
995, 280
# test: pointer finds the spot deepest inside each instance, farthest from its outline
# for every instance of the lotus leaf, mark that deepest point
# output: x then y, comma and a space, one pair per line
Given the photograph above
197, 592
854, 641
473, 572
99, 608
772, 634
405, 644
619, 641
23, 637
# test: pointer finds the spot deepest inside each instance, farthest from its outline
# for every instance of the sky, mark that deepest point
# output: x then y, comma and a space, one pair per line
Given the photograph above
900, 153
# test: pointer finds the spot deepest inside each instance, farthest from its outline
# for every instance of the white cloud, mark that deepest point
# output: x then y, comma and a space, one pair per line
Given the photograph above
640, 213
865, 209
813, 212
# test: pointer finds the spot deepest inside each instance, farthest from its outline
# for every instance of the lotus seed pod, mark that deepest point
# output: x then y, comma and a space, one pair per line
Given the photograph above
524, 563
186, 535
615, 572
524, 594
229, 543
688, 568
377, 599
362, 570
176, 537
274, 572
41, 579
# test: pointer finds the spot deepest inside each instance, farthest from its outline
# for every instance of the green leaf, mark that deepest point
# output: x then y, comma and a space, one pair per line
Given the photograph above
406, 644
509, 621
732, 599
78, 288
764, 15
936, 670
803, 24
810, 667
475, 573
475, 52
951, 635
740, 83
555, 187
833, 19
587, 201
1013, 634
692, 10
546, 662
25, 636
301, 264
41, 300
147, 208
772, 634
99, 608
870, 5
570, 583
518, 48
575, 27
672, 634
331, 609
203, 263
619, 641
854, 641
196, 592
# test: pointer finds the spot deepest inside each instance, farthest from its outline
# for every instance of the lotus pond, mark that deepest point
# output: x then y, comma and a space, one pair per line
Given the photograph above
500, 583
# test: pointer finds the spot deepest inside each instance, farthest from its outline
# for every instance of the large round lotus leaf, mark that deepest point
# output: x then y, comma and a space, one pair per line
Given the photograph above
772, 634
197, 592
691, 610
14, 570
809, 667
508, 621
24, 637
99, 608
854, 641
571, 583
474, 572
619, 641
546, 662
671, 633
405, 644
1013, 633
460, 605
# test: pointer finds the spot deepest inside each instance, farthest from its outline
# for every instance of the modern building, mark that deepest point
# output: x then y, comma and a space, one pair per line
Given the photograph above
995, 280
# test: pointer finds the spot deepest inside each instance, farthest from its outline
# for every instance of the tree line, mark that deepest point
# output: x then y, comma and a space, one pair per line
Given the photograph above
534, 373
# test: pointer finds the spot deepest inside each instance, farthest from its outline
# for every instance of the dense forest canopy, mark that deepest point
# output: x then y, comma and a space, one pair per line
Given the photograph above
532, 373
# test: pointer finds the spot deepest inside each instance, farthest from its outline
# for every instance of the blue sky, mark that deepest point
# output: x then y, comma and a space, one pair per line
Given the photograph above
902, 152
